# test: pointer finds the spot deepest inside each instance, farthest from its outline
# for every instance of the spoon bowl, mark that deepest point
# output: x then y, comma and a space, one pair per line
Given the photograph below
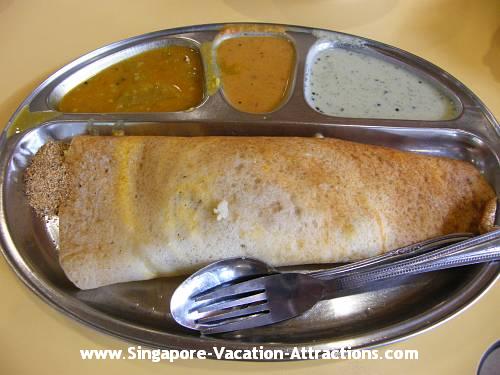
223, 272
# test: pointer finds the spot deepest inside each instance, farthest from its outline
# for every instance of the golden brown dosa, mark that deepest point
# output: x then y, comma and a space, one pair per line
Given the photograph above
143, 207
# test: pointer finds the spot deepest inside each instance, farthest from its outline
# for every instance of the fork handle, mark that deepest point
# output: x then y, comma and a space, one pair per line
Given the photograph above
484, 248
392, 256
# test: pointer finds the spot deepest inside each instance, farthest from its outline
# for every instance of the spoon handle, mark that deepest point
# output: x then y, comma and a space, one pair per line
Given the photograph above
392, 256
484, 248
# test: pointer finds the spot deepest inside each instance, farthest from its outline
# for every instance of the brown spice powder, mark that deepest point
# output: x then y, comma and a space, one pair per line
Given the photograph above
47, 179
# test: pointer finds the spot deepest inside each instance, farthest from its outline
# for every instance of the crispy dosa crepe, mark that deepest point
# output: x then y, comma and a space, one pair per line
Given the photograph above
143, 207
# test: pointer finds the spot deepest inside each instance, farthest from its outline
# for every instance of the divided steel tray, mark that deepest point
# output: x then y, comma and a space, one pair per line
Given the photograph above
139, 311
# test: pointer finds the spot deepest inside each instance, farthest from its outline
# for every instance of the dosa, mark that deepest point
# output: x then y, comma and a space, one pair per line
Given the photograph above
142, 207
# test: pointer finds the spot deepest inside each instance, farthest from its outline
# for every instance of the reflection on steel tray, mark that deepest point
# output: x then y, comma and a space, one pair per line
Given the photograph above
139, 311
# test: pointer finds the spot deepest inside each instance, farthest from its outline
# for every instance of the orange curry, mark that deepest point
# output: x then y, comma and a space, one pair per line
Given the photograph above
161, 80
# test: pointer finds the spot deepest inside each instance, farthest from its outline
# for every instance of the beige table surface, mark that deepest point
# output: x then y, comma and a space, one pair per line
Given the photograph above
37, 37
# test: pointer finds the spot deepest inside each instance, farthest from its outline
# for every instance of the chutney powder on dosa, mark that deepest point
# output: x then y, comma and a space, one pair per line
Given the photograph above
145, 207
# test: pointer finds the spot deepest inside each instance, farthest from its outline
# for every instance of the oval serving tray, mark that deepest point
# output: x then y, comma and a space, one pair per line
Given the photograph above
139, 311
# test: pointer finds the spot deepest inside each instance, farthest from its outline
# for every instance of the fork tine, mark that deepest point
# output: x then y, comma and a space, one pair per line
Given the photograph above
232, 303
237, 313
238, 323
254, 286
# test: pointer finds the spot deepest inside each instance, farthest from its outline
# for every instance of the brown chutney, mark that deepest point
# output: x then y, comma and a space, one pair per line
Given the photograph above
256, 72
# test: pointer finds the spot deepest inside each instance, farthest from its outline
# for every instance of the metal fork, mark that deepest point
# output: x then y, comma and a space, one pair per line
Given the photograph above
274, 298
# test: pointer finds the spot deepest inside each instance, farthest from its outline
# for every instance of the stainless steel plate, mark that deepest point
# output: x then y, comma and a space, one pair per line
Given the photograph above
139, 311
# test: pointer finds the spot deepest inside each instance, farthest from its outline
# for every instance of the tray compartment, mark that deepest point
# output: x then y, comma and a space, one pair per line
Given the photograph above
65, 83
140, 310
337, 73
239, 67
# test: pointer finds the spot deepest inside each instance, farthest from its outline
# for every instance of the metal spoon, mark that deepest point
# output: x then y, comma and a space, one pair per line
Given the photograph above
236, 270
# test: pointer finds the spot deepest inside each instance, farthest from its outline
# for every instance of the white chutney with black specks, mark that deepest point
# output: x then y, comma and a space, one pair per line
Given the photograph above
348, 83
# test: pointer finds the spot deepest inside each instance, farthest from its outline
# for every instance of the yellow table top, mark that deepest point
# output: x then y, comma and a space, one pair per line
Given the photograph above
36, 38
